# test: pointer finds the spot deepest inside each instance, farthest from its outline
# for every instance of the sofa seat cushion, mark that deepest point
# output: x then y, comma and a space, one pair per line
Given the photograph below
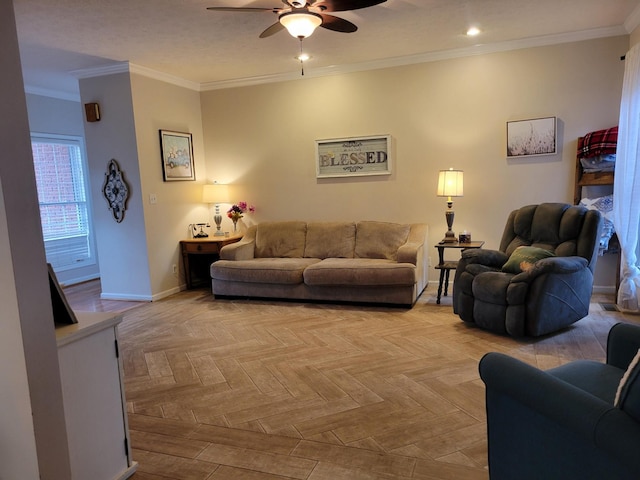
262, 270
359, 272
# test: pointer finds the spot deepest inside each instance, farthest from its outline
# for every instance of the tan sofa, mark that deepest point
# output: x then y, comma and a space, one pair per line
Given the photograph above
373, 262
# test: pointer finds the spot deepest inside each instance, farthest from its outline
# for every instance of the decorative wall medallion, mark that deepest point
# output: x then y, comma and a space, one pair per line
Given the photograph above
115, 190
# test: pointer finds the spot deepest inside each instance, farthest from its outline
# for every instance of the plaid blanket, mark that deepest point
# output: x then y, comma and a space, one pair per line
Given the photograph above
601, 142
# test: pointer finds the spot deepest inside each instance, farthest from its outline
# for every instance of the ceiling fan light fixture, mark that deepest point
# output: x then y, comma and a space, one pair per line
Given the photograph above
473, 31
300, 25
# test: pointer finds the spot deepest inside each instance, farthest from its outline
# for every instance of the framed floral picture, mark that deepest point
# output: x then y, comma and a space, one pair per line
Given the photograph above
527, 138
177, 156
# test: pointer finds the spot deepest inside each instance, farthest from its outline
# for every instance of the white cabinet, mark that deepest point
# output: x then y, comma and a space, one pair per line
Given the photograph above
93, 395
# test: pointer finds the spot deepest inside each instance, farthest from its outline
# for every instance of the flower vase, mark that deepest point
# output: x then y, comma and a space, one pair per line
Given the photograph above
235, 225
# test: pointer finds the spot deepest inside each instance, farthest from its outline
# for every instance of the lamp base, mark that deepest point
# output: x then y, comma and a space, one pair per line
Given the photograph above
218, 219
449, 237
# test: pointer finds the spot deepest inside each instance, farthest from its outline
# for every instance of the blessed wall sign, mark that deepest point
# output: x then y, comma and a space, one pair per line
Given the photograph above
353, 156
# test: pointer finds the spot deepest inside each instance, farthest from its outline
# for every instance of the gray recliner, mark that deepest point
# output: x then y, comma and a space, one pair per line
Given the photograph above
563, 423
552, 293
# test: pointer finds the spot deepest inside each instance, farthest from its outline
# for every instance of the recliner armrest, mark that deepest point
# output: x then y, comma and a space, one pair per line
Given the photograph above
560, 265
490, 258
541, 392
622, 344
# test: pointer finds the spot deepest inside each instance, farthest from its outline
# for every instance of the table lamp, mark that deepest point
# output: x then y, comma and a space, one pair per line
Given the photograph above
216, 194
450, 185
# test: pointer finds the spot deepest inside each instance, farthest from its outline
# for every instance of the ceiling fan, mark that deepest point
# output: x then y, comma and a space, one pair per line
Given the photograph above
301, 18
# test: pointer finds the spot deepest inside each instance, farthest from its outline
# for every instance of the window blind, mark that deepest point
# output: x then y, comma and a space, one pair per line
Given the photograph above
62, 196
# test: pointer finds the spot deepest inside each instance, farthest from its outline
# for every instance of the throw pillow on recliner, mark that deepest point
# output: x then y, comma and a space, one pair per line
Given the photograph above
523, 258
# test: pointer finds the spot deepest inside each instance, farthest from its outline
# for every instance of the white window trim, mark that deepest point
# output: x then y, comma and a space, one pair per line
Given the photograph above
75, 140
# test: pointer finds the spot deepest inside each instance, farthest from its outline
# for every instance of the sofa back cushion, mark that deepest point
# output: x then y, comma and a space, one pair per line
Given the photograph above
280, 239
380, 239
330, 240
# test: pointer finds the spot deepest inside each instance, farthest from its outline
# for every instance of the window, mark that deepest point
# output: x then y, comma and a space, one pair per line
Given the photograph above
62, 195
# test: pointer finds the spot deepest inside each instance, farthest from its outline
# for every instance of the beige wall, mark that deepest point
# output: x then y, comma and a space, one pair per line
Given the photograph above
441, 114
137, 255
635, 37
161, 106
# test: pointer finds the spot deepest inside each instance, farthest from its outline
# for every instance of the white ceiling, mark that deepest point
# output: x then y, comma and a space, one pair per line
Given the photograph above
206, 49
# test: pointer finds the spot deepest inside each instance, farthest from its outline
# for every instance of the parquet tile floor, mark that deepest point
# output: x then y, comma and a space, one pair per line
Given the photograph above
268, 390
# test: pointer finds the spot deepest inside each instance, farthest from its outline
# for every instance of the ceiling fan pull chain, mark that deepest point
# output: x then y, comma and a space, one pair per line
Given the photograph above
300, 57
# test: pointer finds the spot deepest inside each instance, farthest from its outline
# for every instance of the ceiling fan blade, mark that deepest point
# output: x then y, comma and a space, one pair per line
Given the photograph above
244, 9
272, 30
337, 24
344, 5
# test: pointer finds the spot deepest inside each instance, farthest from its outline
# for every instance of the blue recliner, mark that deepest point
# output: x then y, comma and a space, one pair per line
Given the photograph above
562, 424
547, 295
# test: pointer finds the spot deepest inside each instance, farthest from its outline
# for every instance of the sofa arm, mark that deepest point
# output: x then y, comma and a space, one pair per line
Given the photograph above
540, 426
622, 344
409, 252
413, 250
242, 250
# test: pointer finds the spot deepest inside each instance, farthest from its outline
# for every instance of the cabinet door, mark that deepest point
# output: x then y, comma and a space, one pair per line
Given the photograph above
93, 406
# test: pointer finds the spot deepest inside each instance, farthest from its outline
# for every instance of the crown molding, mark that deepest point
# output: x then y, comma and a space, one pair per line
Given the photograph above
422, 57
633, 20
124, 67
165, 77
47, 92
111, 69
482, 49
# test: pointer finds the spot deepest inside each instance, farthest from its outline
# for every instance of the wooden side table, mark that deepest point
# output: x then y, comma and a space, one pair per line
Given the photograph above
198, 254
445, 267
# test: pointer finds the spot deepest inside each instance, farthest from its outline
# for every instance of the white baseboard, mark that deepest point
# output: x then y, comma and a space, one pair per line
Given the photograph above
126, 297
141, 298
76, 280
166, 293
605, 290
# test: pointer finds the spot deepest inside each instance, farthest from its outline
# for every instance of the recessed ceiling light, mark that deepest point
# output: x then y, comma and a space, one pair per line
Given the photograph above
473, 31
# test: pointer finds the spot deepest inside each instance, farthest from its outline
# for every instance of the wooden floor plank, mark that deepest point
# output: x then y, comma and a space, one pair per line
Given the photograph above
274, 464
356, 458
268, 390
171, 466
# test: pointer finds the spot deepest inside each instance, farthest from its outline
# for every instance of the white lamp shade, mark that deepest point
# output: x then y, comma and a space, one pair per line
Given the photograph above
300, 25
215, 193
450, 183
